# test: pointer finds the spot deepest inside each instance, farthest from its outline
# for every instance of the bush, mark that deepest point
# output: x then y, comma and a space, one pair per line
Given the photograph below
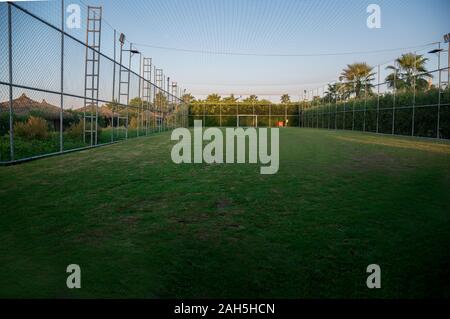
425, 113
133, 122
4, 123
33, 128
75, 130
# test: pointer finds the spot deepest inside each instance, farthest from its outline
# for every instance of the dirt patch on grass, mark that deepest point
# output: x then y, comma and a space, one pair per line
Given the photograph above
93, 237
130, 220
223, 205
399, 143
189, 219
375, 161
371, 161
151, 204
234, 226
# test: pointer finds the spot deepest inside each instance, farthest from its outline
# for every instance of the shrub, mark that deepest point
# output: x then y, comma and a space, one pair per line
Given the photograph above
75, 131
34, 127
133, 122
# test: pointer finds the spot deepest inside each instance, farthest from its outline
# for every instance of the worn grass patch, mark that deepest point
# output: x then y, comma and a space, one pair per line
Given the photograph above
413, 144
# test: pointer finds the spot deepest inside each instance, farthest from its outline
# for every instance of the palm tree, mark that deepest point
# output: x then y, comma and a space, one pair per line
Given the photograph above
213, 98
251, 99
409, 71
285, 99
160, 99
188, 98
230, 99
357, 77
332, 92
264, 102
336, 91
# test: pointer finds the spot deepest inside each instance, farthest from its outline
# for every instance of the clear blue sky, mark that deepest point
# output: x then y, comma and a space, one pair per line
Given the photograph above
265, 27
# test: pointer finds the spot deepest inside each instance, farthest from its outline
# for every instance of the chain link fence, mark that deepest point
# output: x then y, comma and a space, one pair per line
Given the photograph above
397, 100
44, 107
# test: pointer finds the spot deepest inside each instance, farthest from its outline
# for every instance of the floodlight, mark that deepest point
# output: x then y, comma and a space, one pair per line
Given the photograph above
122, 38
447, 38
435, 51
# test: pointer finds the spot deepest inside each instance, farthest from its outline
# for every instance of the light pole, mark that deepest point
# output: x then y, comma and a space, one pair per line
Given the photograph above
438, 51
237, 110
122, 42
303, 108
132, 52
447, 40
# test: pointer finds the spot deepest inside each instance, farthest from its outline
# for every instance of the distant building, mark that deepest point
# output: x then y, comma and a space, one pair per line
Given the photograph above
23, 106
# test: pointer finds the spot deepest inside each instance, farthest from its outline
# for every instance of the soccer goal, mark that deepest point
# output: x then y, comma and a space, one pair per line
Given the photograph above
247, 120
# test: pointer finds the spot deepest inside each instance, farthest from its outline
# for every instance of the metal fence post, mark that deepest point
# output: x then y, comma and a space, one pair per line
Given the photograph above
270, 115
335, 108
310, 116
365, 104
378, 97
344, 112
322, 106
113, 89
237, 113
204, 112
328, 109
141, 105
439, 92
311, 110
11, 125
317, 108
393, 106
414, 95
354, 104
61, 141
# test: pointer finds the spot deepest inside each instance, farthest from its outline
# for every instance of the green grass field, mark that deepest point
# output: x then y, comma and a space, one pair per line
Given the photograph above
141, 226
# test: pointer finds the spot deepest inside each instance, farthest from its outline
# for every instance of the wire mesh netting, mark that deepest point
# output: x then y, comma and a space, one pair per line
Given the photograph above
64, 94
400, 107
